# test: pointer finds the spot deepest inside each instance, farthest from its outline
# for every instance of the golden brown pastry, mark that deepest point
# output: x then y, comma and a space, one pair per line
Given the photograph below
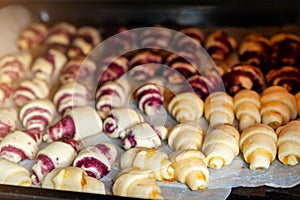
221, 145
218, 109
258, 145
297, 96
149, 159
246, 104
190, 168
288, 143
278, 106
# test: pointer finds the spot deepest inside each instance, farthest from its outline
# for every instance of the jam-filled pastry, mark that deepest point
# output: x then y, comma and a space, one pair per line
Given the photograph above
72, 179
150, 160
186, 106
96, 160
297, 97
13, 174
218, 109
77, 123
154, 38
32, 36
201, 85
5, 92
31, 89
136, 183
285, 49
60, 35
286, 76
143, 135
221, 145
150, 98
120, 119
244, 76
70, 95
112, 68
246, 104
84, 42
144, 65
37, 114
48, 66
288, 143
258, 145
219, 45
112, 94
190, 38
278, 106
13, 67
54, 155
8, 121
186, 135
190, 167
20, 145
255, 49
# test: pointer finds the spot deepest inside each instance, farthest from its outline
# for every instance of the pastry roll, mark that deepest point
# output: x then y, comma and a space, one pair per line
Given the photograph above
37, 114
96, 160
278, 106
221, 145
150, 160
72, 179
190, 168
77, 124
219, 45
189, 40
155, 38
5, 92
201, 85
54, 155
13, 174
258, 145
136, 183
186, 106
143, 135
20, 145
8, 121
288, 143
120, 119
69, 96
246, 104
186, 135
218, 109
48, 66
297, 97
31, 89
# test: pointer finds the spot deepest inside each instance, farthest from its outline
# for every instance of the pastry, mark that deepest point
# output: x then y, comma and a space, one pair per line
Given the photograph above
31, 89
186, 106
258, 145
8, 121
189, 40
72, 179
143, 135
150, 98
186, 135
51, 157
288, 143
37, 114
85, 40
96, 160
69, 96
20, 145
151, 160
201, 85
297, 97
243, 76
32, 36
77, 123
278, 106
221, 145
218, 109
48, 66
5, 92
120, 119
190, 168
246, 104
136, 183
154, 38
144, 65
13, 174
219, 45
